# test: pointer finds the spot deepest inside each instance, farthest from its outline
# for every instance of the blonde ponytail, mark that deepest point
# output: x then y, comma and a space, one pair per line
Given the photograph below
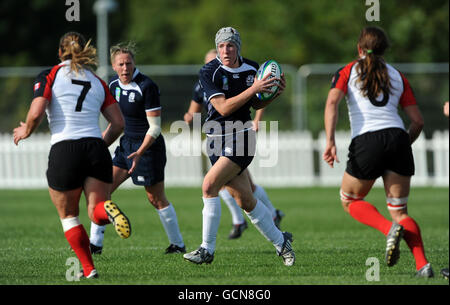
73, 46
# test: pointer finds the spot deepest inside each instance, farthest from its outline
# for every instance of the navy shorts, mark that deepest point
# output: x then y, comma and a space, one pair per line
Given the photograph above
150, 169
239, 147
70, 162
372, 153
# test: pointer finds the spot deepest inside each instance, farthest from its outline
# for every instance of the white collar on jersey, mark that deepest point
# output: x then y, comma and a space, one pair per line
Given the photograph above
241, 68
132, 85
65, 62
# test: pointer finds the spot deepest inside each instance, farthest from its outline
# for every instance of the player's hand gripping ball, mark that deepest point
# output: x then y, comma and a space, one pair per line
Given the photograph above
274, 69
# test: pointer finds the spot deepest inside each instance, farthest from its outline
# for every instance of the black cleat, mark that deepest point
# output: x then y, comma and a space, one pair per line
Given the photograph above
237, 230
175, 249
95, 249
287, 253
199, 256
277, 219
444, 273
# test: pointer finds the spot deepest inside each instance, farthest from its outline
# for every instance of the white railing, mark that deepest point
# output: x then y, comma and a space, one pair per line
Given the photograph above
297, 155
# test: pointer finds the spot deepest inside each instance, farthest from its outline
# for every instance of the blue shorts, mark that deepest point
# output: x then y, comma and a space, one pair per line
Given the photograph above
150, 169
239, 147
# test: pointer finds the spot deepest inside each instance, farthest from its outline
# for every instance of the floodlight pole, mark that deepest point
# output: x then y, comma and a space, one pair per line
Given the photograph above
101, 9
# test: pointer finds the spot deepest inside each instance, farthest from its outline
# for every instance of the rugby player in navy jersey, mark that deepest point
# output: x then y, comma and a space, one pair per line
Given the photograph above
230, 87
238, 220
142, 152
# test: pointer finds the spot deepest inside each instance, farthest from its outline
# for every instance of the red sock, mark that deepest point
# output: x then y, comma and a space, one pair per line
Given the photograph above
367, 214
79, 241
100, 216
413, 238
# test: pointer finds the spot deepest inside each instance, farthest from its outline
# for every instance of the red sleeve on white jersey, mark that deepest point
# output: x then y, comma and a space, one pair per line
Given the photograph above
407, 98
44, 82
109, 99
341, 77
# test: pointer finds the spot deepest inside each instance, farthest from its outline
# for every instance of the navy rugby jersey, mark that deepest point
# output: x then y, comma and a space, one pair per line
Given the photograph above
217, 79
135, 99
198, 95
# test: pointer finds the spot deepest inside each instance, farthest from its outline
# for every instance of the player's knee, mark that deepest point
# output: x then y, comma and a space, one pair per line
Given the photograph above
347, 199
210, 189
158, 202
397, 208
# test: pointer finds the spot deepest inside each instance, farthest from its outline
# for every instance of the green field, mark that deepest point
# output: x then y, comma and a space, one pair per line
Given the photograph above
331, 248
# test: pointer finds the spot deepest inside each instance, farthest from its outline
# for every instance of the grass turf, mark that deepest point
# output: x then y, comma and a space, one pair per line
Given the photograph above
331, 248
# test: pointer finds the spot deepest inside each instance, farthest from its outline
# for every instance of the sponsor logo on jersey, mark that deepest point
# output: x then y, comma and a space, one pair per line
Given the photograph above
235, 76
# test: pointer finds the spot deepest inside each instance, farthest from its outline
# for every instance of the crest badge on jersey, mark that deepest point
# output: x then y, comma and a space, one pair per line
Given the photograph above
250, 79
117, 94
224, 82
131, 97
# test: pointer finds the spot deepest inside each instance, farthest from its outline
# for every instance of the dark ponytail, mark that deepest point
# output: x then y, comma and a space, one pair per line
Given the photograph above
372, 71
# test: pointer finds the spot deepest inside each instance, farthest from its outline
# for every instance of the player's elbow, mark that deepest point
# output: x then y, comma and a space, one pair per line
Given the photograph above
419, 122
118, 125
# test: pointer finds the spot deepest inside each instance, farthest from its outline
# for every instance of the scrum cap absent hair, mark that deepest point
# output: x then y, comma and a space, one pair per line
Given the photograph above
229, 34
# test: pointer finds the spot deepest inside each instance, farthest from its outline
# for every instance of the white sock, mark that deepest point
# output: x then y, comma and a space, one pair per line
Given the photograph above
260, 217
170, 223
97, 234
211, 220
69, 223
235, 210
261, 194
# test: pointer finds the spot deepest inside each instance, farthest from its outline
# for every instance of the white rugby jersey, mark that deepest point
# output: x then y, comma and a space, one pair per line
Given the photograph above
76, 100
380, 113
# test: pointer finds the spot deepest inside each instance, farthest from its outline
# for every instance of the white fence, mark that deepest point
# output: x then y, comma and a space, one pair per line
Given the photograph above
297, 158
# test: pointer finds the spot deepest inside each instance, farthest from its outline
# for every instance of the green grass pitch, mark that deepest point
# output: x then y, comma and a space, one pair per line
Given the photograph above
331, 248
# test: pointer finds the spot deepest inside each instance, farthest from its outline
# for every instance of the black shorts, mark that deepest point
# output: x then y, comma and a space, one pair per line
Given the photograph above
150, 169
372, 153
238, 147
70, 162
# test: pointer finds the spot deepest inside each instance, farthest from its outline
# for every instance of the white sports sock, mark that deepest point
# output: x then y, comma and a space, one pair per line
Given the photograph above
261, 194
97, 234
211, 220
260, 217
69, 223
235, 210
170, 223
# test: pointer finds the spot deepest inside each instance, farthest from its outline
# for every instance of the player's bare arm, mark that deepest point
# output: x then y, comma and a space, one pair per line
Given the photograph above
227, 106
330, 118
193, 108
34, 118
116, 125
417, 122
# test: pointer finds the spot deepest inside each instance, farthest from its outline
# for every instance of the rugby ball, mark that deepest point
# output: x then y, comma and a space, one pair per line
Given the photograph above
274, 69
